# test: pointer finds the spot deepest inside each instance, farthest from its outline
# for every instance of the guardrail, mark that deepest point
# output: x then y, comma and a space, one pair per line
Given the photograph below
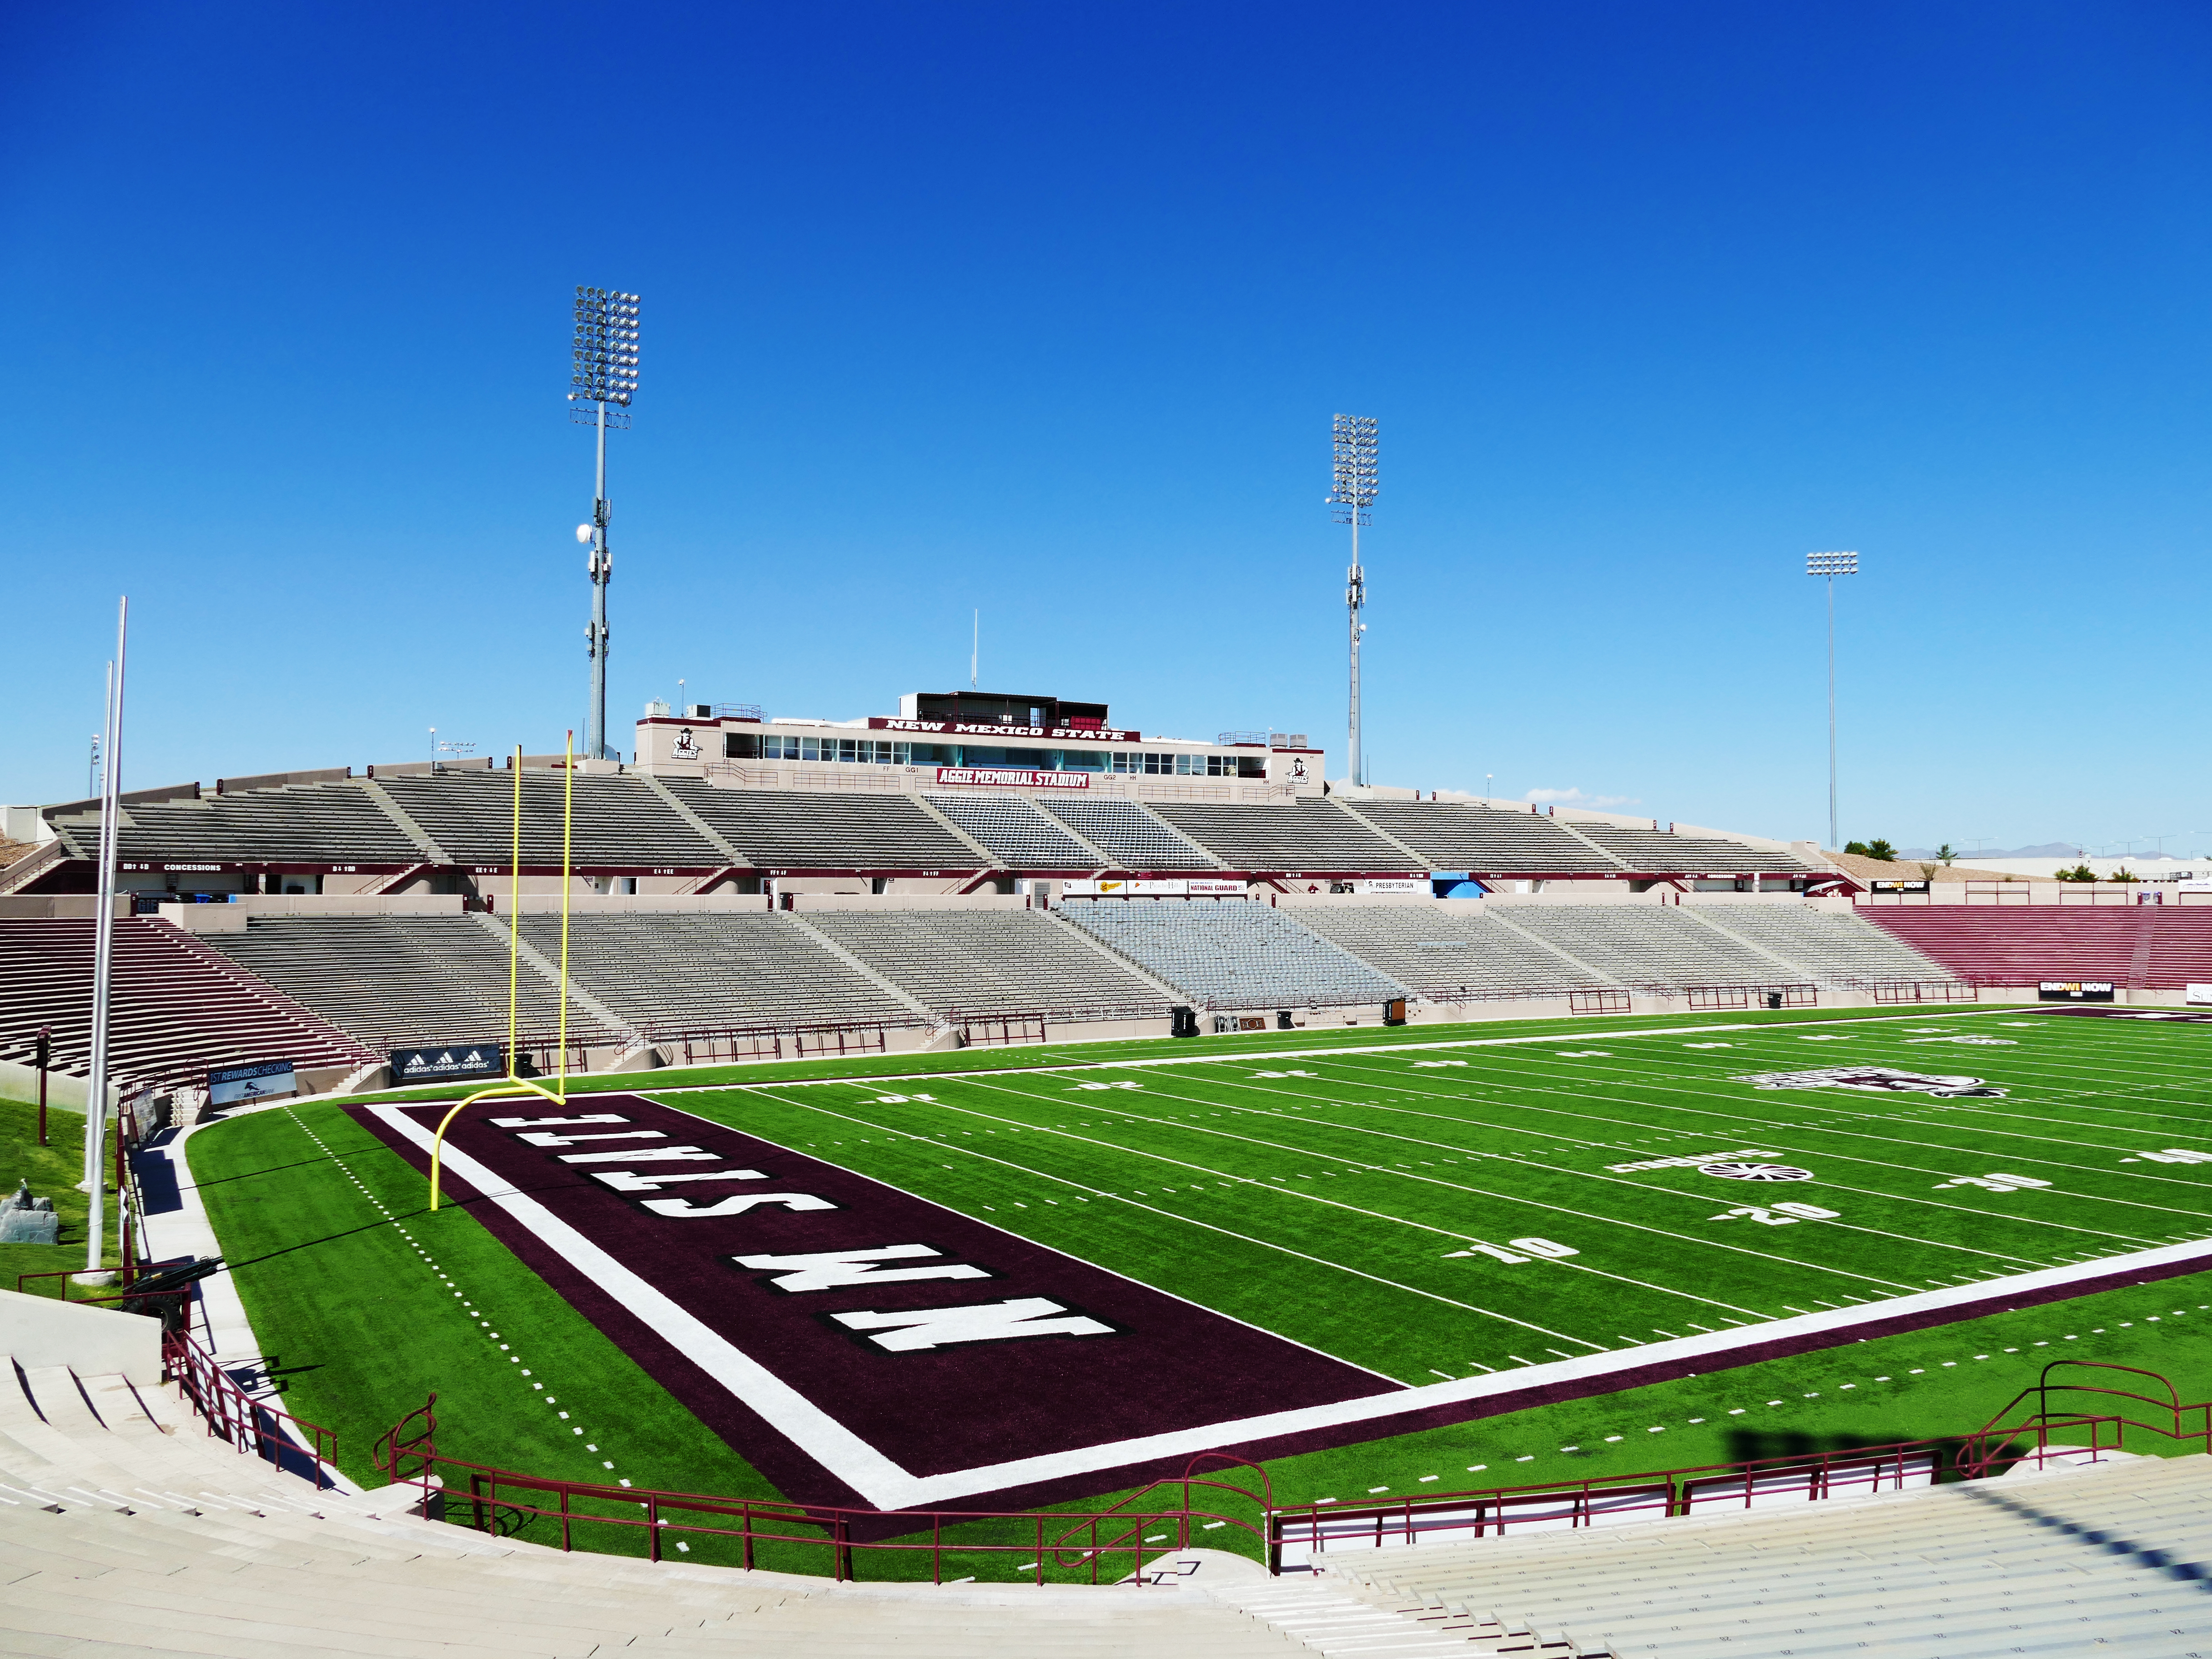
740, 1530
247, 1423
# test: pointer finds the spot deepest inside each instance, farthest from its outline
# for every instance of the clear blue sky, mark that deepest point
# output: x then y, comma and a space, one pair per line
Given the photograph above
1046, 309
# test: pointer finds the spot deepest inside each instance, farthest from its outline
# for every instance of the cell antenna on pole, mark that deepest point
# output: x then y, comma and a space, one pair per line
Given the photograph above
602, 381
1354, 493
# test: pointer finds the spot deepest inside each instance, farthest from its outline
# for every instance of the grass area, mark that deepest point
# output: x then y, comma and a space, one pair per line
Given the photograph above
1368, 1032
365, 1303
1330, 1197
53, 1171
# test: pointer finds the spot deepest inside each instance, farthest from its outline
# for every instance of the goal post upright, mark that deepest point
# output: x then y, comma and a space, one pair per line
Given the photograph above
515, 1085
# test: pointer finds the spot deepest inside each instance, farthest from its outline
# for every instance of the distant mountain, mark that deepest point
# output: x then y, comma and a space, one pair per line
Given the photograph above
2048, 849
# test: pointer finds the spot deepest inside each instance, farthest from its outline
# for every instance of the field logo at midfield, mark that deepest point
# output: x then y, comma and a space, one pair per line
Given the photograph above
1879, 1079
1733, 1171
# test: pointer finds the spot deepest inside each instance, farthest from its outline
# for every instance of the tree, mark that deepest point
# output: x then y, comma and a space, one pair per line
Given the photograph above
1882, 850
2122, 874
1856, 849
2079, 873
1947, 854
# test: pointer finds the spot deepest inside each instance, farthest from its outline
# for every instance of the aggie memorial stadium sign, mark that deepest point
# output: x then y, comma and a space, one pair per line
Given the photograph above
1013, 777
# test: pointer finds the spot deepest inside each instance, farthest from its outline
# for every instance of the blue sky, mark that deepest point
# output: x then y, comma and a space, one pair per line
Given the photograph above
1046, 309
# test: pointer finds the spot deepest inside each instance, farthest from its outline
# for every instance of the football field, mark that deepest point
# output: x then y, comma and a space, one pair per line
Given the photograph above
1458, 1211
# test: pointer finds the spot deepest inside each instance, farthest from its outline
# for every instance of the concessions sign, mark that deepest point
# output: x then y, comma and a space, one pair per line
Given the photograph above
2087, 990
1012, 777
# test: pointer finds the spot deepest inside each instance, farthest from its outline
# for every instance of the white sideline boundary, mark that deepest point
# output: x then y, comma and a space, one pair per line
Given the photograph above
883, 1483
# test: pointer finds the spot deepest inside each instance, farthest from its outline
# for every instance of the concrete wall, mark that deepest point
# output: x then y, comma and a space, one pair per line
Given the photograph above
38, 1330
68, 1094
57, 907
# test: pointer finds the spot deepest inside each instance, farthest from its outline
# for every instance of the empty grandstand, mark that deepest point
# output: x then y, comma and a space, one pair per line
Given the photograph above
798, 829
1487, 840
992, 964
1016, 832
2139, 947
1447, 954
1297, 838
1131, 837
1659, 947
1233, 955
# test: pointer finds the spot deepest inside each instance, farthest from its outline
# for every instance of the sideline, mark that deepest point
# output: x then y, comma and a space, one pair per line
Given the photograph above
187, 1231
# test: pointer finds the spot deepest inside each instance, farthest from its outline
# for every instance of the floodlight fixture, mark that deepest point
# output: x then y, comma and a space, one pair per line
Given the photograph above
1355, 483
603, 379
1831, 566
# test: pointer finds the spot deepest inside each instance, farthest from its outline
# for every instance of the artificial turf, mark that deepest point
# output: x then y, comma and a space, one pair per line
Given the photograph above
1325, 1204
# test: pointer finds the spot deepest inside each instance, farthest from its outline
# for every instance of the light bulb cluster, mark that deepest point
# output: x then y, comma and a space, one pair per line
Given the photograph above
1357, 472
605, 366
1832, 564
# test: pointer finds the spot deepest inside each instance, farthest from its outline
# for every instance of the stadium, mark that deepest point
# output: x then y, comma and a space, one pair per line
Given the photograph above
964, 1171
1338, 1151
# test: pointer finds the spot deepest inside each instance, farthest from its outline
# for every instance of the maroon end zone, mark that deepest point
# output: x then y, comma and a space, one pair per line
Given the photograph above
943, 1342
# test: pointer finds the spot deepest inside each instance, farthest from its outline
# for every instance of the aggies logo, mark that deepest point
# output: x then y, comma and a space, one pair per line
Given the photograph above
1878, 1080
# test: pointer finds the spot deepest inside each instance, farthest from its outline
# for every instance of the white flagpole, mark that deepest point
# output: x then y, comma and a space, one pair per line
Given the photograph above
103, 963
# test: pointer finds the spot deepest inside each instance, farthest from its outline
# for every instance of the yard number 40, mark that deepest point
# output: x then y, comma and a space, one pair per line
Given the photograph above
1530, 1246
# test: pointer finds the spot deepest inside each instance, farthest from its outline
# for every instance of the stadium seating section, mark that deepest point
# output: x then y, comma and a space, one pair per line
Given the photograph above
176, 1005
1439, 954
991, 962
1232, 954
2145, 946
627, 822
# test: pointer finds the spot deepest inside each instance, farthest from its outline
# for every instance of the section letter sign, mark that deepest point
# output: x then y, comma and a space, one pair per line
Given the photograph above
229, 1084
2085, 990
443, 1060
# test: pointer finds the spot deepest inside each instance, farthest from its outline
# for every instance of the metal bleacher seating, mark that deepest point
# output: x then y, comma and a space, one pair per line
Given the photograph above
400, 981
1020, 836
1128, 834
618, 819
317, 823
669, 971
1439, 954
127, 1532
797, 830
1485, 840
990, 962
1648, 944
1833, 948
1661, 852
1232, 954
2109, 1557
2142, 946
177, 1007
1295, 836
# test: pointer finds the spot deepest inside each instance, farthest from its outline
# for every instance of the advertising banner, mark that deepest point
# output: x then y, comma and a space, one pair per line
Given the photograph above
1012, 777
2087, 990
443, 1060
229, 1084
1392, 884
1127, 887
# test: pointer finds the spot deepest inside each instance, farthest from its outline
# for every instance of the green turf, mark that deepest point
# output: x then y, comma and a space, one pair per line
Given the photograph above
1322, 1204
1365, 1031
359, 1328
53, 1171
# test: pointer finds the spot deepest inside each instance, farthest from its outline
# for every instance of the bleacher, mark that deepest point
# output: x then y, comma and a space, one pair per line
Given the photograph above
618, 819
1442, 955
991, 962
1128, 834
1649, 946
1300, 835
126, 1533
2111, 1557
401, 981
1831, 947
1232, 955
1486, 841
796, 829
1661, 852
2023, 945
668, 971
1019, 835
316, 824
176, 1007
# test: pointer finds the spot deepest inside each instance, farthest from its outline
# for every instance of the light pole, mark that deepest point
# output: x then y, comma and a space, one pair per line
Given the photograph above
1354, 493
103, 964
604, 375
1832, 565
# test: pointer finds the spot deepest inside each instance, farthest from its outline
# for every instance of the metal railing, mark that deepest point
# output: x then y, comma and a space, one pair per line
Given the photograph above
740, 1531
251, 1427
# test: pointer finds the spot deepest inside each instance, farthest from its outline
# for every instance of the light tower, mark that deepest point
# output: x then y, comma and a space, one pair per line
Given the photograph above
1353, 495
605, 377
1832, 565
